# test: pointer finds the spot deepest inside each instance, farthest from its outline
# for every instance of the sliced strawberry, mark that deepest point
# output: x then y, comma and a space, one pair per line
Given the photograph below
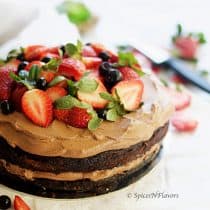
76, 117
49, 55
38, 63
130, 93
156, 69
94, 98
178, 79
54, 50
48, 75
6, 82
62, 84
37, 106
92, 62
88, 51
184, 123
16, 96
181, 100
71, 68
56, 92
19, 204
187, 47
34, 52
128, 73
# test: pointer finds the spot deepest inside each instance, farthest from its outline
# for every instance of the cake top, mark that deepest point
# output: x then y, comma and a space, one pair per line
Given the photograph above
80, 85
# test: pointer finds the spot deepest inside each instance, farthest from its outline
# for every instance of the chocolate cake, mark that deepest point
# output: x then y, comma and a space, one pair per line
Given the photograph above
76, 134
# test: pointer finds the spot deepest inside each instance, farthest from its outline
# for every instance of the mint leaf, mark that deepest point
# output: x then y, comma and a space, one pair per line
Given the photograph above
87, 85
14, 53
72, 87
112, 115
94, 123
179, 30
107, 96
34, 73
67, 102
127, 59
74, 51
201, 38
52, 64
56, 80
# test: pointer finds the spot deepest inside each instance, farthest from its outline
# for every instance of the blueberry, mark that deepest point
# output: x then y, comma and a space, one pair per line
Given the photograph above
113, 77
7, 107
41, 83
102, 113
104, 56
104, 68
21, 57
46, 59
62, 47
22, 65
23, 74
5, 202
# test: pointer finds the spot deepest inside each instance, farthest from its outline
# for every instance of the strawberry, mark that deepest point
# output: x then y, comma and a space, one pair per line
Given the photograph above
6, 82
48, 75
62, 84
76, 117
178, 79
94, 98
181, 100
184, 123
187, 47
128, 73
54, 50
56, 92
34, 52
92, 62
130, 93
71, 68
88, 51
16, 96
37, 106
19, 204
49, 55
38, 63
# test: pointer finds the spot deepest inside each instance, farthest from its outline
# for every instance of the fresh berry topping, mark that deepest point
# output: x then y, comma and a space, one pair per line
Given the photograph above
104, 56
5, 202
38, 63
76, 117
102, 113
113, 77
181, 100
16, 96
187, 47
71, 68
178, 79
62, 48
7, 107
6, 82
37, 106
130, 93
46, 59
104, 68
48, 75
19, 204
94, 98
128, 73
184, 123
41, 83
56, 92
22, 65
23, 74
21, 57
34, 52
91, 62
88, 51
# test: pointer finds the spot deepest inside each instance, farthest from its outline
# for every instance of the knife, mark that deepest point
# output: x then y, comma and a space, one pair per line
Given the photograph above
161, 57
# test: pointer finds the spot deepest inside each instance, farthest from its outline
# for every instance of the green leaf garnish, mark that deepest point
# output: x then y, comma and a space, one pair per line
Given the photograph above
52, 64
74, 51
76, 12
67, 102
34, 73
56, 80
87, 85
107, 96
14, 53
112, 115
94, 123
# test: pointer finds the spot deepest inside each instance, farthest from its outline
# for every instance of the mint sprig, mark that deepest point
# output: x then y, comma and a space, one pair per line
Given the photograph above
74, 51
14, 53
52, 64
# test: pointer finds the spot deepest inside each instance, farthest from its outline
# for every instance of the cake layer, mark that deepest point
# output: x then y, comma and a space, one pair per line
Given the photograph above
102, 161
80, 188
66, 141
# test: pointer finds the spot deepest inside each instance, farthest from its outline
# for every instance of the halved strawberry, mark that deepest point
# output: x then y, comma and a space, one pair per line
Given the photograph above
178, 79
88, 51
56, 92
34, 52
76, 117
94, 98
187, 47
37, 106
38, 63
19, 204
130, 93
184, 123
54, 50
16, 96
48, 75
92, 62
71, 68
181, 100
128, 73
6, 82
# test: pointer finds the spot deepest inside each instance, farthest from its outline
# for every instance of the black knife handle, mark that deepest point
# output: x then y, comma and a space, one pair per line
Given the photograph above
189, 74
